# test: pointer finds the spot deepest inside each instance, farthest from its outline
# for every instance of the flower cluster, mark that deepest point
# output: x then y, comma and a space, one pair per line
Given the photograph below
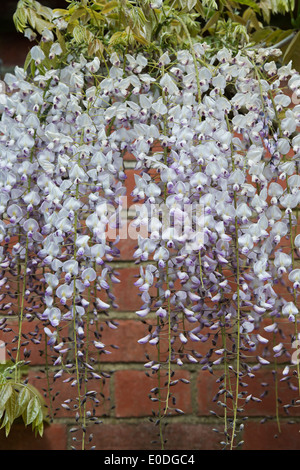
218, 151
217, 155
61, 184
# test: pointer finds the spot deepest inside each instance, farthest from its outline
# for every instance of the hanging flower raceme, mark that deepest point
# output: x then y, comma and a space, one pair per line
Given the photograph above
213, 199
57, 206
217, 189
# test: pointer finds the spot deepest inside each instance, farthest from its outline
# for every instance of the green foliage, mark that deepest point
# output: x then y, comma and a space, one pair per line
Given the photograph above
98, 27
19, 400
101, 25
31, 13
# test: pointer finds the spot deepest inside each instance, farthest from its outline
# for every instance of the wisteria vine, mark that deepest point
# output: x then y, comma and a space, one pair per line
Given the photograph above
215, 138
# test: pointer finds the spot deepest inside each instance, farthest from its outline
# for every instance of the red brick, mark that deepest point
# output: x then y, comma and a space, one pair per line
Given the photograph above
127, 244
129, 157
262, 386
140, 436
127, 293
132, 389
37, 355
284, 334
22, 438
128, 332
126, 337
130, 185
62, 391
265, 381
206, 389
265, 436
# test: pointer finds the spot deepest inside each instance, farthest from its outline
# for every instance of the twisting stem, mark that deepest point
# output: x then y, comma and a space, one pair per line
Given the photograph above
22, 302
81, 413
86, 360
238, 320
169, 342
74, 323
238, 331
167, 272
159, 393
276, 386
47, 378
25, 273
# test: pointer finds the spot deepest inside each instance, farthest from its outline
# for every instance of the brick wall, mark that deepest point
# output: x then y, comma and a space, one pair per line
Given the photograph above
126, 409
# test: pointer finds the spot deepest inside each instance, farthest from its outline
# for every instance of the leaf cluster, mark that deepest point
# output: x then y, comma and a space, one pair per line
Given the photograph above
95, 27
99, 27
20, 400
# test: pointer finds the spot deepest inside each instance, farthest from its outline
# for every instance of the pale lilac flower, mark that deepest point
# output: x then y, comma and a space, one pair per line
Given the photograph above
290, 309
88, 276
64, 292
54, 316
294, 276
52, 336
37, 54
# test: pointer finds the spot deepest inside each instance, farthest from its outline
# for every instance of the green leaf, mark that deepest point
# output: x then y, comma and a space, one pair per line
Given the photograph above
4, 421
109, 7
32, 410
22, 401
273, 38
5, 394
199, 8
41, 24
210, 4
94, 47
10, 407
261, 35
249, 3
27, 60
249, 15
20, 19
265, 9
119, 37
46, 12
38, 420
39, 429
211, 21
82, 35
7, 428
237, 19
6, 424
32, 67
61, 40
293, 52
60, 12
32, 17
191, 4
140, 39
77, 14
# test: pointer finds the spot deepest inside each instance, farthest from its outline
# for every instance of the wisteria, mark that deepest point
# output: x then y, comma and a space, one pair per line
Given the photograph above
214, 136
60, 180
